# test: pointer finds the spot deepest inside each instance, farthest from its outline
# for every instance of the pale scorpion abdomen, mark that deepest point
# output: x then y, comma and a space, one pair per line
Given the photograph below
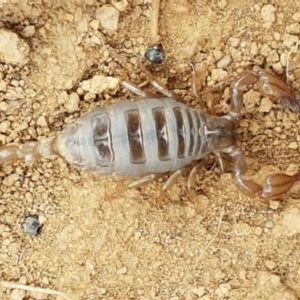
136, 138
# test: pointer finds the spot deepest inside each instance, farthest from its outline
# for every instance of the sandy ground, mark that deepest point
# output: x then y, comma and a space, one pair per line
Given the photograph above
140, 245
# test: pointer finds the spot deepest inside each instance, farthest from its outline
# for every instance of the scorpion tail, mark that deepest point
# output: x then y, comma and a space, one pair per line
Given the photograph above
28, 151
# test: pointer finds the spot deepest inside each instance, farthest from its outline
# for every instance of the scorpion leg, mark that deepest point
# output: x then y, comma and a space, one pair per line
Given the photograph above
275, 185
192, 174
135, 184
220, 161
161, 88
172, 178
196, 88
143, 180
136, 90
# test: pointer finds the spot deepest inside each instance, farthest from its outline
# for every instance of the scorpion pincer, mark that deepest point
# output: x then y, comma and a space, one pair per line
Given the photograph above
159, 134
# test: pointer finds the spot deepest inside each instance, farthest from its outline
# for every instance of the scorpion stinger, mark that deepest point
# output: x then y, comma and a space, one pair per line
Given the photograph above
270, 86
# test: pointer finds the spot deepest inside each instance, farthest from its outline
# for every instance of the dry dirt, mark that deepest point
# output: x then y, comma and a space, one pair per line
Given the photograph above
216, 245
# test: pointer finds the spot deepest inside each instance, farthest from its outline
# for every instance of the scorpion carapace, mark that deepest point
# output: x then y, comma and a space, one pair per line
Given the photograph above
156, 135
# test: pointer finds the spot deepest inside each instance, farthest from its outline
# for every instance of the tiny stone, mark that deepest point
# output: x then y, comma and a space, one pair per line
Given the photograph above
28, 31
206, 297
224, 62
119, 4
4, 125
99, 83
266, 105
14, 83
277, 67
218, 54
41, 121
102, 291
95, 40
274, 204
10, 179
199, 291
3, 85
273, 56
89, 96
253, 49
122, 271
108, 17
3, 106
271, 265
155, 53
13, 49
94, 24
222, 4
37, 295
277, 36
283, 59
293, 145
268, 15
218, 74
265, 50
269, 224
289, 40
63, 97
296, 16
73, 102
17, 294
31, 224
243, 44
223, 290
234, 42
258, 231
80, 91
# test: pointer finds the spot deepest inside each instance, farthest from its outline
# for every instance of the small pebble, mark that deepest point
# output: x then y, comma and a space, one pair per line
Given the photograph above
218, 74
224, 62
32, 225
234, 42
122, 271
274, 204
296, 16
269, 224
108, 17
199, 291
277, 67
13, 49
268, 15
119, 4
293, 145
258, 231
155, 53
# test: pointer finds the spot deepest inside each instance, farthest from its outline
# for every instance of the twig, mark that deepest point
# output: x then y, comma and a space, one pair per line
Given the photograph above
293, 50
12, 285
154, 20
212, 240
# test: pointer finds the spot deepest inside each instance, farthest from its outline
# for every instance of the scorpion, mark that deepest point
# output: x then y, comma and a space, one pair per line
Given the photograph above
160, 135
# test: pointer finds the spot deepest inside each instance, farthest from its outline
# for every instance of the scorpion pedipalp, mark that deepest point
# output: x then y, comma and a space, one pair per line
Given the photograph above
274, 88
276, 184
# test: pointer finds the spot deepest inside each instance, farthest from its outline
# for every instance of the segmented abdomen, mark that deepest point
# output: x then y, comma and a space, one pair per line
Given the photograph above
142, 137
